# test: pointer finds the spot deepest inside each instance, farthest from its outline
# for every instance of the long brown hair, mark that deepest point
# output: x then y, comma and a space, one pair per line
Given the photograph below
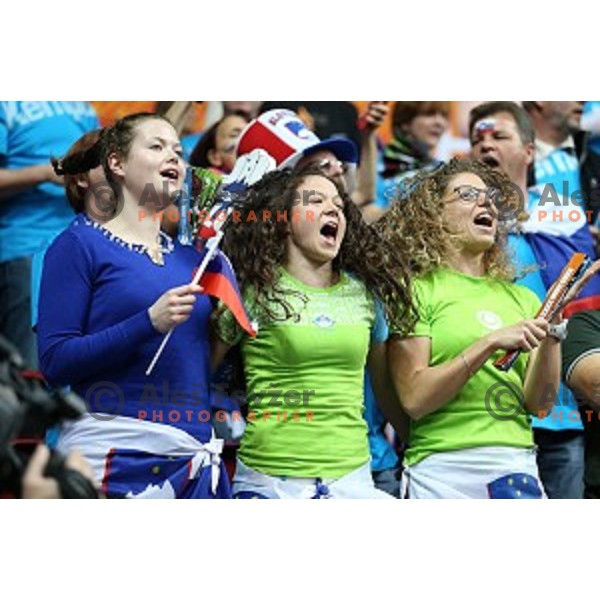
257, 250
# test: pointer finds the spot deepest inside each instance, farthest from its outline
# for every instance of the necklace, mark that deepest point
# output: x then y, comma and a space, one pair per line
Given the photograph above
156, 253
164, 244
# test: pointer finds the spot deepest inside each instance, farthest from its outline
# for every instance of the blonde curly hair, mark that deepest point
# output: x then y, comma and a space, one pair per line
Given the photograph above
415, 222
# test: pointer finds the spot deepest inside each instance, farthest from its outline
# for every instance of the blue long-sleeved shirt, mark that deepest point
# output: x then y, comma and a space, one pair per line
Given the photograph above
95, 334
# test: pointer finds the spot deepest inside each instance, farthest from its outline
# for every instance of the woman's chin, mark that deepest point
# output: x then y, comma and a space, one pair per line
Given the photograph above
481, 245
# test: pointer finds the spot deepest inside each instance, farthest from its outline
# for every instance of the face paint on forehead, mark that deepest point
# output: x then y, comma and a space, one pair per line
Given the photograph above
484, 126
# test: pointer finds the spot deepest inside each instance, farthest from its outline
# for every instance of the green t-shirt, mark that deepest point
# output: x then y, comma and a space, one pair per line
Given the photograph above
455, 311
319, 362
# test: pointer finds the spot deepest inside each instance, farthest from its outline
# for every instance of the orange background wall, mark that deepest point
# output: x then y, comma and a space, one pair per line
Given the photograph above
110, 111
115, 109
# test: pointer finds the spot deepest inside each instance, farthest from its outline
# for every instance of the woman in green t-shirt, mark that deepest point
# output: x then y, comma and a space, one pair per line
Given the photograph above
310, 271
470, 433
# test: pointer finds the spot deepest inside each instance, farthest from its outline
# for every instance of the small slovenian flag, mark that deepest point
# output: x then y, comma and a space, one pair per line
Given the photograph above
219, 281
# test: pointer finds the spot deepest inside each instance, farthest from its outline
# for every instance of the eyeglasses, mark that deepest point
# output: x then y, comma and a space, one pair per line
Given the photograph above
470, 193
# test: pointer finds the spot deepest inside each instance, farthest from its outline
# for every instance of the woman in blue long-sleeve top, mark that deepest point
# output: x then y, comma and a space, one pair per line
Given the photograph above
109, 292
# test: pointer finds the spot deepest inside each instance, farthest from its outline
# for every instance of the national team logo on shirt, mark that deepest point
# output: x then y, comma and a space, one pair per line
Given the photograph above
489, 319
323, 321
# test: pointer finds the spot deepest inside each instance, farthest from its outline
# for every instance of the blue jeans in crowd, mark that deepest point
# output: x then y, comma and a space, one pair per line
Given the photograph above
560, 462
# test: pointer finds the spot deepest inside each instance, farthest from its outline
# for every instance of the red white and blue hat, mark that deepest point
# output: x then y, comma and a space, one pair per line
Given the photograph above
282, 134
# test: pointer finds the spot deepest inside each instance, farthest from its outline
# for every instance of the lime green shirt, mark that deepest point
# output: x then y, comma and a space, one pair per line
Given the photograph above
319, 363
455, 311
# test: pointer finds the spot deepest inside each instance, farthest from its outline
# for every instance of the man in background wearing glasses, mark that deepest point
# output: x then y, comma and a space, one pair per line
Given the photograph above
503, 136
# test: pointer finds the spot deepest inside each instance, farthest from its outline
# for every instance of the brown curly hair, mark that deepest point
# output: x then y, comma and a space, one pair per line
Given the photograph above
415, 222
257, 250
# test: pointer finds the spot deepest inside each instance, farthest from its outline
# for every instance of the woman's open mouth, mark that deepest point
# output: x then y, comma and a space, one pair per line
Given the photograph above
329, 233
484, 220
170, 174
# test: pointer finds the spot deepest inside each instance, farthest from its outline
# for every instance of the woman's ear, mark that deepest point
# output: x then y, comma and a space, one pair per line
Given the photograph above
116, 164
82, 181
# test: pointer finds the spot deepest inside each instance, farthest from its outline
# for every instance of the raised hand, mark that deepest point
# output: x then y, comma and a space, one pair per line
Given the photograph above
374, 117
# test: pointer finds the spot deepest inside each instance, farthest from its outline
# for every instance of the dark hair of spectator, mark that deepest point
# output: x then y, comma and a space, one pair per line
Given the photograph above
258, 249
519, 114
208, 142
83, 156
405, 112
87, 154
119, 137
